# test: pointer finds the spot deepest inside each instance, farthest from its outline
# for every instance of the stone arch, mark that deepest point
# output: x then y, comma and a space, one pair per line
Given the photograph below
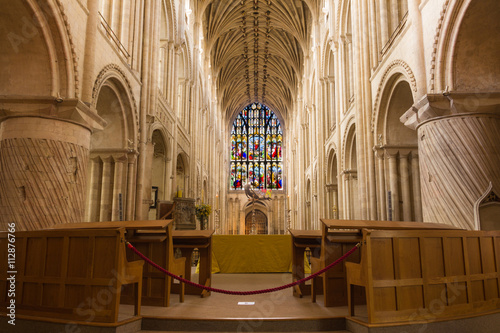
397, 165
159, 165
332, 186
114, 81
167, 21
182, 173
487, 210
347, 52
468, 48
39, 50
260, 218
396, 98
397, 70
110, 190
350, 175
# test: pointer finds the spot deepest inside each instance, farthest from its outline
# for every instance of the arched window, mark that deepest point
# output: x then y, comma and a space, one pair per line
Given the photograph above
256, 149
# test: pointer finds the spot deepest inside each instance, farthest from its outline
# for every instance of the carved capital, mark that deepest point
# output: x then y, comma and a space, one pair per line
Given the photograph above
448, 104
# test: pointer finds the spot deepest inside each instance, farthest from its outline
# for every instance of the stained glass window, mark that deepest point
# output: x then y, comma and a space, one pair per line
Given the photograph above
256, 149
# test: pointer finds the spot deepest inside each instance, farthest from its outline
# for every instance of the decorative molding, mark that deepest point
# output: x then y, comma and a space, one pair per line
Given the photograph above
350, 123
383, 84
74, 55
437, 38
108, 72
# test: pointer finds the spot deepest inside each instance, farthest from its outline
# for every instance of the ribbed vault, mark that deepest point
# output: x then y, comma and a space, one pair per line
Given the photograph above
256, 50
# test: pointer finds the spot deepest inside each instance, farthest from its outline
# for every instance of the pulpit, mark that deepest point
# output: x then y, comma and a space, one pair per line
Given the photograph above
184, 214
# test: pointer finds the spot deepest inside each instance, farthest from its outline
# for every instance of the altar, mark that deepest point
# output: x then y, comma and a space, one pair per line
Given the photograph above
251, 253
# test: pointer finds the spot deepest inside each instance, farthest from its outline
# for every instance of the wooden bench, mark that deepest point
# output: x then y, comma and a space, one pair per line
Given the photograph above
72, 275
412, 275
338, 237
187, 241
301, 240
154, 240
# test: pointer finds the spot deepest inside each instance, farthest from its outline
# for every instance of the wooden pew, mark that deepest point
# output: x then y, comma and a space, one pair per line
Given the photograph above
187, 241
338, 237
415, 275
301, 240
73, 275
154, 240
158, 246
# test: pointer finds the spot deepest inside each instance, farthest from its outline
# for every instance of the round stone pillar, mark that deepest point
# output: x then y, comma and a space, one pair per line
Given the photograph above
43, 171
459, 157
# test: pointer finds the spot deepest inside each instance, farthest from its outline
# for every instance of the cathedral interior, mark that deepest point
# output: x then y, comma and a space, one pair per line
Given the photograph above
376, 110
340, 109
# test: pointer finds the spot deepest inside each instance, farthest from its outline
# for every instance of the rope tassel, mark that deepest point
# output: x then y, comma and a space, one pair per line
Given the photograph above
242, 293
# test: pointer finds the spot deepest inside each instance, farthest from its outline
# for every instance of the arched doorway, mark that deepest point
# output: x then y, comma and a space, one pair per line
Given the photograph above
180, 176
332, 186
398, 175
260, 220
159, 171
350, 177
112, 154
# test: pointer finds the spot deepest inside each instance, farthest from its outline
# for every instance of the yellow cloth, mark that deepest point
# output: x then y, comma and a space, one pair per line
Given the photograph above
251, 253
307, 267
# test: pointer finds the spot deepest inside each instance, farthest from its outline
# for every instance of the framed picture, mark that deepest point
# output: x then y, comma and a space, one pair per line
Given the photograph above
154, 196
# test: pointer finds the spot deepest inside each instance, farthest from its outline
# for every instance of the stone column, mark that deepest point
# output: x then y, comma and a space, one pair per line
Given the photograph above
417, 196
405, 184
106, 192
382, 193
88, 78
132, 158
459, 154
391, 156
119, 162
394, 15
384, 25
94, 185
43, 171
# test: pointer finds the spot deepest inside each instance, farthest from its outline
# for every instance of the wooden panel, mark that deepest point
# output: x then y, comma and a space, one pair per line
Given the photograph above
101, 263
103, 297
33, 265
456, 293
75, 296
384, 299
382, 259
433, 250
488, 260
454, 254
50, 295
55, 277
446, 273
435, 293
409, 258
474, 251
477, 288
53, 265
78, 251
31, 294
410, 298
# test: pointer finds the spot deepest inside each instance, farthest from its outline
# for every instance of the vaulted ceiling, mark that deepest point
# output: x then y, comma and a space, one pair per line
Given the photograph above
256, 50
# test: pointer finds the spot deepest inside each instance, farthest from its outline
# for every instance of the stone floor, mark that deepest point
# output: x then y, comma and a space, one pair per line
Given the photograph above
278, 305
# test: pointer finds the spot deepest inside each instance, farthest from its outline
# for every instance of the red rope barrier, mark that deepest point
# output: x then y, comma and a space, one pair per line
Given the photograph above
242, 293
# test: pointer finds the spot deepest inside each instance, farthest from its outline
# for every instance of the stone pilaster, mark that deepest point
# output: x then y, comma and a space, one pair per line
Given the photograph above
44, 155
459, 153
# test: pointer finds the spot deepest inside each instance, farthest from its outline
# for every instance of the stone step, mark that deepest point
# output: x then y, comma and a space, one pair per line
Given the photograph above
244, 325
